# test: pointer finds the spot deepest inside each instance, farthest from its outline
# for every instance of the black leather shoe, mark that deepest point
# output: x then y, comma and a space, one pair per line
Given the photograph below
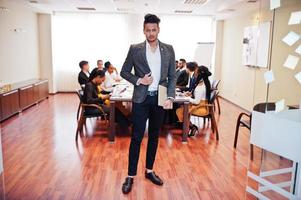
153, 178
127, 185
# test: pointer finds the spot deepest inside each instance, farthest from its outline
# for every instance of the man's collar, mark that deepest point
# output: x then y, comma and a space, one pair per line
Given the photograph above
148, 45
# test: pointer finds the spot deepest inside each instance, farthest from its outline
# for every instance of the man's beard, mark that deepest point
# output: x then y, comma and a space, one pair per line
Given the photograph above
152, 40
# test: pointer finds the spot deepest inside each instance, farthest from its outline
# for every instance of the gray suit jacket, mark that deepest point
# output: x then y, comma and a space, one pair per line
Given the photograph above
137, 58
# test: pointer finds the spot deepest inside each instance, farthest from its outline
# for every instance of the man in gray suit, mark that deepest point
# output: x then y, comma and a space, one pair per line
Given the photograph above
154, 65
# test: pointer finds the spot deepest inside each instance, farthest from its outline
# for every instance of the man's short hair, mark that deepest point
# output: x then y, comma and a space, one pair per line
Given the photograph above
96, 73
98, 61
107, 64
183, 60
82, 63
151, 18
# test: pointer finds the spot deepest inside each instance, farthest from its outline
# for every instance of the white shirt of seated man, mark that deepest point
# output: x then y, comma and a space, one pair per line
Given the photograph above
111, 80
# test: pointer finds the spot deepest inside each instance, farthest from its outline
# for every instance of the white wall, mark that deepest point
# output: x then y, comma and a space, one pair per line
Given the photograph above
91, 37
19, 52
237, 81
45, 47
246, 86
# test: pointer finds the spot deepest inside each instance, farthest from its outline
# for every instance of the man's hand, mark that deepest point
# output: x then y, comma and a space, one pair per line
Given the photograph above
167, 104
115, 69
146, 80
187, 94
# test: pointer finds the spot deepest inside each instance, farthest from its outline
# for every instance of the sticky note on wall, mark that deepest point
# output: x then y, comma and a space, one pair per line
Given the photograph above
291, 38
291, 62
295, 18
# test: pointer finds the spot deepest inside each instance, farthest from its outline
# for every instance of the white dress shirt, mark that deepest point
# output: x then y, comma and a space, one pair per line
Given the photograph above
154, 62
110, 81
87, 74
190, 77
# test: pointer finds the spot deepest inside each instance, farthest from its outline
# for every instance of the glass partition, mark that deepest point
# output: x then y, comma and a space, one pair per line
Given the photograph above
274, 172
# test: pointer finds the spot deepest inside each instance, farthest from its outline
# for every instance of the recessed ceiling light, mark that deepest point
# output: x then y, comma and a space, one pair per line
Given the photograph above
226, 10
85, 8
183, 11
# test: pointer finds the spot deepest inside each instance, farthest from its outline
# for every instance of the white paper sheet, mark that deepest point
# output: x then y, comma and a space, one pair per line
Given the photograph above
291, 62
298, 50
275, 4
269, 77
298, 77
291, 38
280, 105
295, 18
162, 96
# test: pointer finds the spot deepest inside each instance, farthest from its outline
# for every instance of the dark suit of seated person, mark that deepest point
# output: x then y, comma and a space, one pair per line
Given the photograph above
182, 74
188, 77
91, 96
83, 75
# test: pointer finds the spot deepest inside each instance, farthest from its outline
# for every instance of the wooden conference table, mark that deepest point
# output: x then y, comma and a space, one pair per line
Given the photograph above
127, 97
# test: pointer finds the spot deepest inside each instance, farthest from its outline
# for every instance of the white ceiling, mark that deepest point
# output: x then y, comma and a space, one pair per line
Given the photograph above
217, 8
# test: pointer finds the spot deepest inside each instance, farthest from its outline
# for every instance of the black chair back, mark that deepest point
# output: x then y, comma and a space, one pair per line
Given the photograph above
80, 94
263, 107
215, 84
213, 96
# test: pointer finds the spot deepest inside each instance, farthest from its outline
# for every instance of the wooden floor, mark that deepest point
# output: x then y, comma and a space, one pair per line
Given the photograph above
42, 160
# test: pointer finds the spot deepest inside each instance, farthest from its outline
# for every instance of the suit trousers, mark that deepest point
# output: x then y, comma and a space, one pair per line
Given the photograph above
148, 109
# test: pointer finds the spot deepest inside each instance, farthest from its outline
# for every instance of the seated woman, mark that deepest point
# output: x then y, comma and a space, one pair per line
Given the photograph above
198, 102
91, 97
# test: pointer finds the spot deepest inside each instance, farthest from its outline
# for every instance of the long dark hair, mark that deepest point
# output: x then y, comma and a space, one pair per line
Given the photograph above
202, 75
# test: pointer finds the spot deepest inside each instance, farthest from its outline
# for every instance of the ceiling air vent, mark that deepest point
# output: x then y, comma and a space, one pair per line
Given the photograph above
195, 2
85, 8
252, 1
183, 11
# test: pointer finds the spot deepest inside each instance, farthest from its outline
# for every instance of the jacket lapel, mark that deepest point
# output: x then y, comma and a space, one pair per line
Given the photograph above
143, 52
163, 52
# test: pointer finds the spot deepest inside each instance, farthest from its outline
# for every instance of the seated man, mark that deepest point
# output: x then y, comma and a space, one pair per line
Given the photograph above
182, 74
99, 66
91, 97
83, 76
192, 68
112, 77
